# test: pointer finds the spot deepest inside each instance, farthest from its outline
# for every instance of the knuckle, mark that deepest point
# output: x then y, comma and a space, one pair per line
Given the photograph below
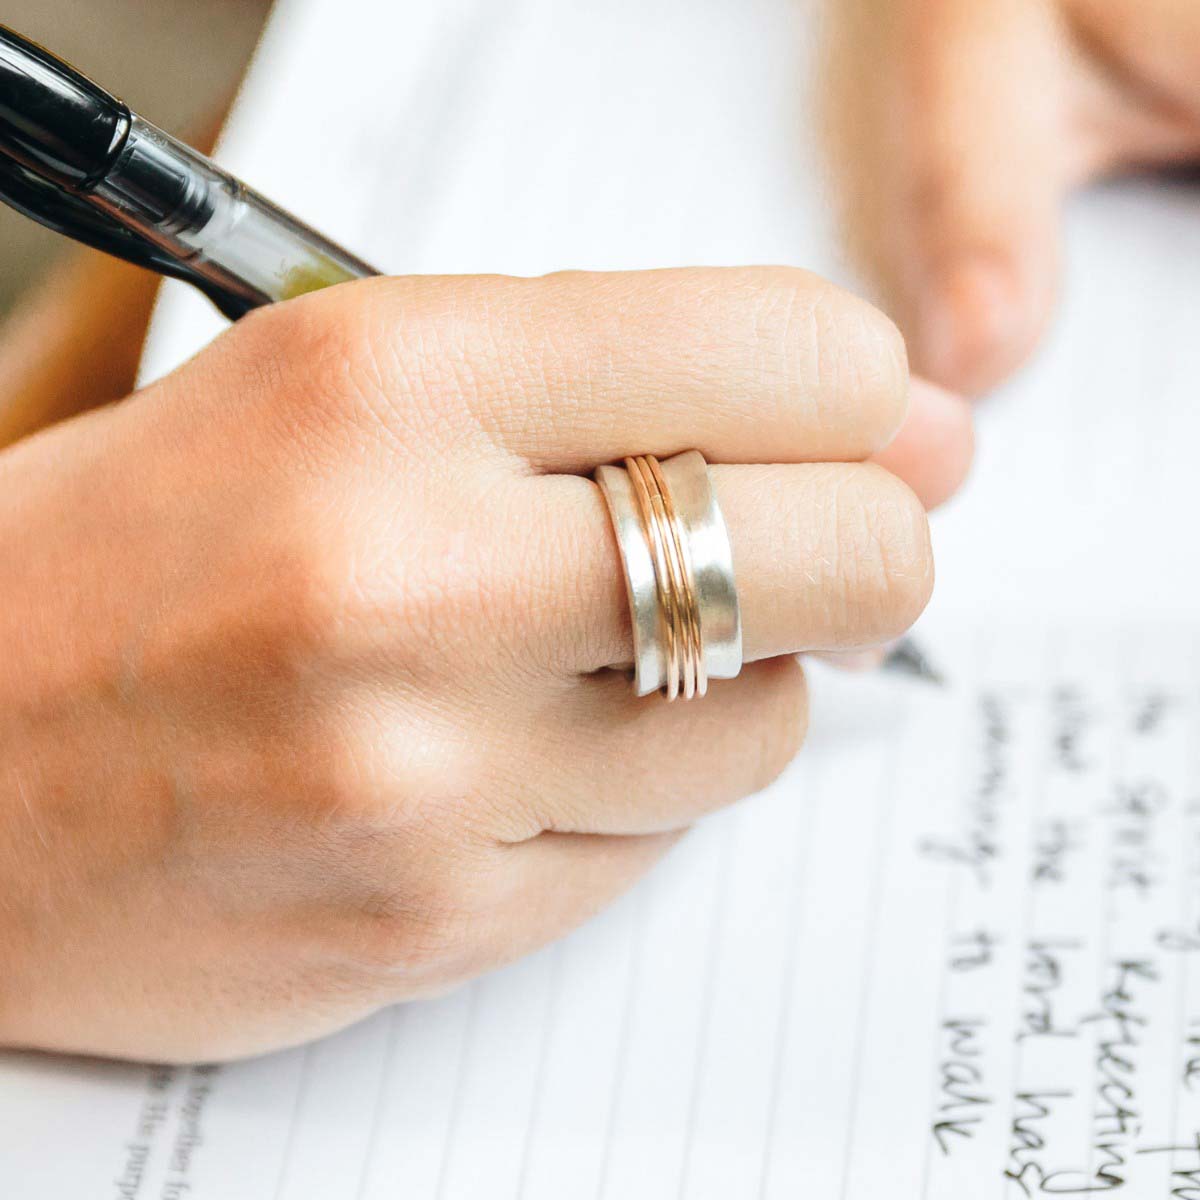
322, 603
309, 594
273, 620
342, 360
843, 362
869, 364
322, 776
417, 891
414, 930
469, 588
387, 780
433, 926
426, 379
884, 533
336, 597
317, 338
344, 776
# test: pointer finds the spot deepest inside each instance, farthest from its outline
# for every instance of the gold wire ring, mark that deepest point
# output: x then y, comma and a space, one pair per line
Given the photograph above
686, 583
674, 602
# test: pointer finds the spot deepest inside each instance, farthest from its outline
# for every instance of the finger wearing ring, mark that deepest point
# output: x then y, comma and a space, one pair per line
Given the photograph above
829, 556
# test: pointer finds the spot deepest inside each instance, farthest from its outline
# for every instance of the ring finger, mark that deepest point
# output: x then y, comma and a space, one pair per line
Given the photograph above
827, 556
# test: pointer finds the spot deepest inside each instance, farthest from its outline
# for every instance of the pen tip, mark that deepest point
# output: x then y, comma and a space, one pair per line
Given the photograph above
907, 658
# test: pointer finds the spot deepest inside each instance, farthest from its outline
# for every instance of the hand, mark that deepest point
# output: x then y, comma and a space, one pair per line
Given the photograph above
303, 707
958, 126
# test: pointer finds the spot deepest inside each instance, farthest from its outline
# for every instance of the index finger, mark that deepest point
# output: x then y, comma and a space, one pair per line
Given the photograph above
745, 364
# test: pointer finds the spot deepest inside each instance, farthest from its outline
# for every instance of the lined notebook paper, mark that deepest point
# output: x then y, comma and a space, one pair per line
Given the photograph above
953, 953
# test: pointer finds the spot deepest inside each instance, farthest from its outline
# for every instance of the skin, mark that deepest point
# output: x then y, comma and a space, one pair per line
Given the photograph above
304, 701
958, 127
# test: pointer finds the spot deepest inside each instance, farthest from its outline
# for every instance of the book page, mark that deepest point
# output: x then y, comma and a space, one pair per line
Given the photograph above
953, 952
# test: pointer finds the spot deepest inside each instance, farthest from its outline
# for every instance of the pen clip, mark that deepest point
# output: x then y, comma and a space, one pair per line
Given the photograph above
73, 217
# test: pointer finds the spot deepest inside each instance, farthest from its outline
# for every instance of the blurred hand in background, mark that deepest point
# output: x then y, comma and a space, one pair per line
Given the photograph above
958, 127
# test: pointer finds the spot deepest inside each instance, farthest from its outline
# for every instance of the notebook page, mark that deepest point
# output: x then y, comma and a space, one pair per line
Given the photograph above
914, 966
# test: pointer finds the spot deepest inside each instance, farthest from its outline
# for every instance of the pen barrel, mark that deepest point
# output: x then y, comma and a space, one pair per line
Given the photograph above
241, 242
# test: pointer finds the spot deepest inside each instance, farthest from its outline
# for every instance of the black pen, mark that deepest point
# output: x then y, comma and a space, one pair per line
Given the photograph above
76, 159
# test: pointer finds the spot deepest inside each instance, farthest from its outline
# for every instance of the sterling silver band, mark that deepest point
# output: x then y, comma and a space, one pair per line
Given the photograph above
679, 574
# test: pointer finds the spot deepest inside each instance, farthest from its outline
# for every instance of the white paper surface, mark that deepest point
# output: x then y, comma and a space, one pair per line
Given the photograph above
957, 942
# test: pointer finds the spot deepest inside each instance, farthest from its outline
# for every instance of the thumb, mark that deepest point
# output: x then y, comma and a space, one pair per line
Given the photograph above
948, 137
982, 129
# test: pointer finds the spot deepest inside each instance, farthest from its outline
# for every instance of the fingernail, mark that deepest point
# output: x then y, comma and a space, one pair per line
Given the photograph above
972, 328
858, 661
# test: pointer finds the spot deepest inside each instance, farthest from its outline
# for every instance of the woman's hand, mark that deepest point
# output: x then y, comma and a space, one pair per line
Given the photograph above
957, 128
303, 707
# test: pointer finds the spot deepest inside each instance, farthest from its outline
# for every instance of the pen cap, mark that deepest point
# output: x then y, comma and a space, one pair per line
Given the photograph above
53, 120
